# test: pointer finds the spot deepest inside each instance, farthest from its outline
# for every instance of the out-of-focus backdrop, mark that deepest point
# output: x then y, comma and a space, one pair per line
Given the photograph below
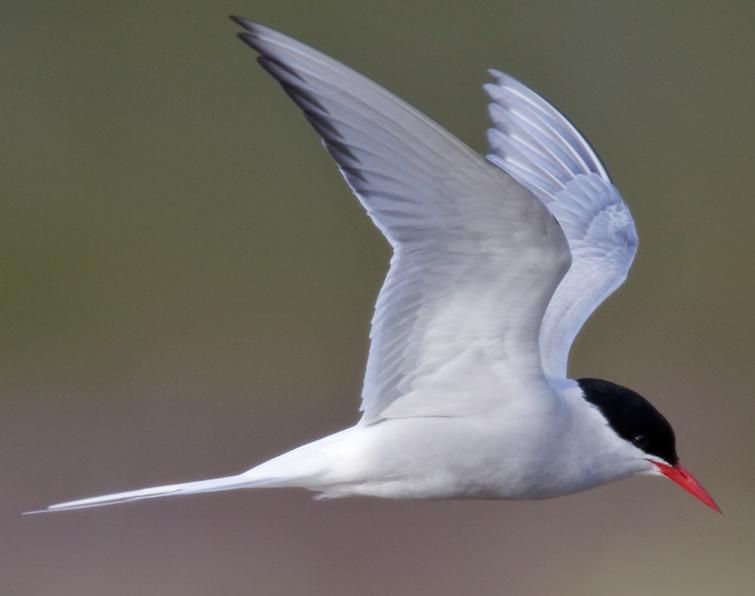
186, 286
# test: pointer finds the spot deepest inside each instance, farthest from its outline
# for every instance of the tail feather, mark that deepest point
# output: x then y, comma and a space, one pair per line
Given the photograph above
186, 488
309, 466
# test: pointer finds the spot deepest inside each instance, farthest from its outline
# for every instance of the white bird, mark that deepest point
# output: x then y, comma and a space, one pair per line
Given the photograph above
496, 265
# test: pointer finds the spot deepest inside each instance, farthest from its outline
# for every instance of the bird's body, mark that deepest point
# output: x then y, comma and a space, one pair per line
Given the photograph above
569, 449
475, 457
497, 263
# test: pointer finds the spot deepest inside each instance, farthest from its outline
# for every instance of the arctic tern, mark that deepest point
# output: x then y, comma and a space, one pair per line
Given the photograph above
497, 263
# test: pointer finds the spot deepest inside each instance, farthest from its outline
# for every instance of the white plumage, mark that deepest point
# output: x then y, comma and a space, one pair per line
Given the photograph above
465, 392
539, 147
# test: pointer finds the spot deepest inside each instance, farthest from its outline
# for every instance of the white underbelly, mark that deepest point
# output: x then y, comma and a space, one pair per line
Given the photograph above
445, 458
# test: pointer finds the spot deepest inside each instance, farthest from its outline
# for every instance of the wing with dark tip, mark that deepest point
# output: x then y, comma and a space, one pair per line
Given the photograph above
476, 255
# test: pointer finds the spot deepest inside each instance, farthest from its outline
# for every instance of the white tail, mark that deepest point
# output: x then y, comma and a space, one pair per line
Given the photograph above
186, 488
306, 467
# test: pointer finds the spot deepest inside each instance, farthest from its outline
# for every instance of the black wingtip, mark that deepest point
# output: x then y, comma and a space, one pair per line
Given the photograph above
245, 23
277, 68
250, 40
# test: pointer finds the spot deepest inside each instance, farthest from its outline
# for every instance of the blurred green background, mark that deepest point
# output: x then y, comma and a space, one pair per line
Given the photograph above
186, 286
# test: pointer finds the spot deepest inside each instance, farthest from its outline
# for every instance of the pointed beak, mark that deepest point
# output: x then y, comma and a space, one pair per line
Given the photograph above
683, 478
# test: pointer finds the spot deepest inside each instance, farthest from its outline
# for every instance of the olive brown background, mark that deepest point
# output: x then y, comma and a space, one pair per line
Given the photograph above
186, 286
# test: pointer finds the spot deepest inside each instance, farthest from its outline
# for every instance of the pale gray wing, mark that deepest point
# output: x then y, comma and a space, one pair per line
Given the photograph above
476, 256
539, 147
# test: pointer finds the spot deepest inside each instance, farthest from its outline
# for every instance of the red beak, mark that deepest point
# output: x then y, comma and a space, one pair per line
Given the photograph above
683, 478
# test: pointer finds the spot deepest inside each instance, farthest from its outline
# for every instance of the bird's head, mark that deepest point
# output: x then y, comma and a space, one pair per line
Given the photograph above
647, 435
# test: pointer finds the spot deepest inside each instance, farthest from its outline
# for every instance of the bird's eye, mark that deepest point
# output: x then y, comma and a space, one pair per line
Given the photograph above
640, 441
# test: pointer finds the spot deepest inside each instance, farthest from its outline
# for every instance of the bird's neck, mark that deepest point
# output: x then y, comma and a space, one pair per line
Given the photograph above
593, 452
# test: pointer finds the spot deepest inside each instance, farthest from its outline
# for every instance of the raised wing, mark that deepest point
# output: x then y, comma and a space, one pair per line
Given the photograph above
476, 256
539, 147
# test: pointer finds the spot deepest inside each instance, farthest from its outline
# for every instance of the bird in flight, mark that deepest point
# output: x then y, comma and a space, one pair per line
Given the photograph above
497, 263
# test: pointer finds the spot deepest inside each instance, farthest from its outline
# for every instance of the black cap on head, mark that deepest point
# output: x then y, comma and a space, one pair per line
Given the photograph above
632, 417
